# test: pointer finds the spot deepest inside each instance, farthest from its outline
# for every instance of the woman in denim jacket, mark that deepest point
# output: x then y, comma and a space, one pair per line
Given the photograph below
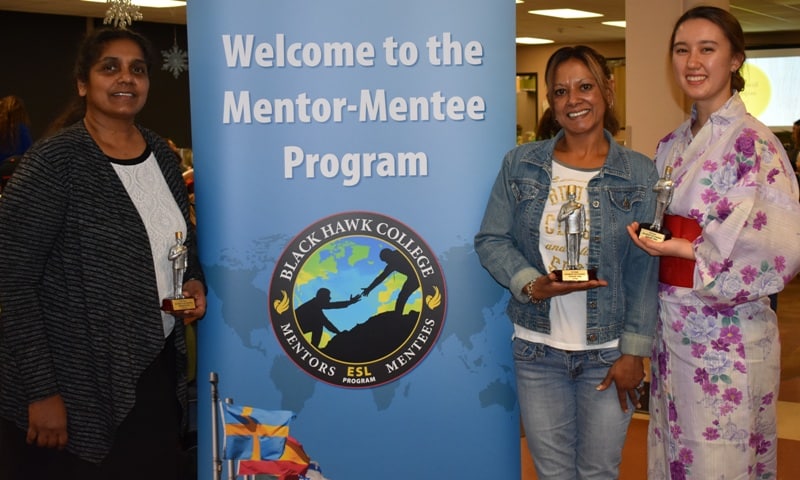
573, 339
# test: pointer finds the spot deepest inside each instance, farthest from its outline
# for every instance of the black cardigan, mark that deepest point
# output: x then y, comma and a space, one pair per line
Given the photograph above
79, 306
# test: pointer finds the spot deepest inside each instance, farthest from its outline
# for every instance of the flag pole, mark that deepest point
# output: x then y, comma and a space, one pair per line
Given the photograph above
231, 469
217, 464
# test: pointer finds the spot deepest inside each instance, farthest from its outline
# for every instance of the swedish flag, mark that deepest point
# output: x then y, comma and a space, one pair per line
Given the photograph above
255, 434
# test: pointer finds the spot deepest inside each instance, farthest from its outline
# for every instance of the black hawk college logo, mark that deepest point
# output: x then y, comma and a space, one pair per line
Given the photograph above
357, 299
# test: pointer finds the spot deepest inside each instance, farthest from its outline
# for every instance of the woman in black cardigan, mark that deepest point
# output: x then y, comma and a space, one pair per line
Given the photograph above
92, 371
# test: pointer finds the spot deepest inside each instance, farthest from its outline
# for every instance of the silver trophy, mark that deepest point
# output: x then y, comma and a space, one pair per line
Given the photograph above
179, 256
664, 188
573, 217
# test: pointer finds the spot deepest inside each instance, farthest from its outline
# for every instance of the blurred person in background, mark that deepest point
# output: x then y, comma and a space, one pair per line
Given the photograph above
15, 134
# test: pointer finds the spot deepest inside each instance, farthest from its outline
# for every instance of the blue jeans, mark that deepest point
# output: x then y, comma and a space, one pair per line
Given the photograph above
573, 431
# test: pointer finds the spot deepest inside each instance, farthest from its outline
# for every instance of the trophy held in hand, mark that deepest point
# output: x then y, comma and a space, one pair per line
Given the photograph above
664, 189
573, 217
178, 254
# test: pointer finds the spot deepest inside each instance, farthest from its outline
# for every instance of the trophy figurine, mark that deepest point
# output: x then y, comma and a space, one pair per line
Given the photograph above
178, 254
573, 217
664, 189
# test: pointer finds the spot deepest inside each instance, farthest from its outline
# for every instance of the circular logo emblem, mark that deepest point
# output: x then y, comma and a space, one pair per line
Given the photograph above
357, 299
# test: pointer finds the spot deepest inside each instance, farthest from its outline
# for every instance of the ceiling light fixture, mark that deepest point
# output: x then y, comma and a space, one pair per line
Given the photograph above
615, 23
565, 13
532, 41
150, 3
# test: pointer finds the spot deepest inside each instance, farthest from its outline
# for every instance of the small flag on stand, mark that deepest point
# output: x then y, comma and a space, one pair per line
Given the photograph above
293, 463
255, 434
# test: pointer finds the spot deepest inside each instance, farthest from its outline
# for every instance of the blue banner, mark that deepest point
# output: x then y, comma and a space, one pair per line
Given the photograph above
343, 156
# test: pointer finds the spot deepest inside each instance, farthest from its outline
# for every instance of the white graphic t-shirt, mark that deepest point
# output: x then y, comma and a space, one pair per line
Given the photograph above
567, 312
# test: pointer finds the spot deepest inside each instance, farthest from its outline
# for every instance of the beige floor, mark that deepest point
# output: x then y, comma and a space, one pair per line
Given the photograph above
634, 455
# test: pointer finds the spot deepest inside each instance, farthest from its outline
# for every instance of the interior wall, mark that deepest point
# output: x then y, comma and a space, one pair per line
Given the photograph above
527, 111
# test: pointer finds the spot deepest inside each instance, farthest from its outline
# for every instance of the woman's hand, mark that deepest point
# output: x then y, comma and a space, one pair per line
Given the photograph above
547, 286
627, 373
193, 289
47, 423
674, 247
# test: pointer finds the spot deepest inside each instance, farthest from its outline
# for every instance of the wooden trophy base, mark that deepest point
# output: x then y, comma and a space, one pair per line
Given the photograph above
646, 231
576, 275
177, 304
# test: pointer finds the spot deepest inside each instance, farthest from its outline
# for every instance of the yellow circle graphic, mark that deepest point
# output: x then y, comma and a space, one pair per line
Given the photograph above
757, 91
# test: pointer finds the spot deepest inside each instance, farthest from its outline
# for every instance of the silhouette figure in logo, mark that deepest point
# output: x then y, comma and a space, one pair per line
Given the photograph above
312, 318
396, 262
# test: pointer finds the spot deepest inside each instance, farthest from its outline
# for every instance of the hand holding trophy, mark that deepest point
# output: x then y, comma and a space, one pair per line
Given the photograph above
178, 254
573, 217
664, 189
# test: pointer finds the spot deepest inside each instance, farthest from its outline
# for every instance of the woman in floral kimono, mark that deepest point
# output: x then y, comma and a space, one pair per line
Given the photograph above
735, 222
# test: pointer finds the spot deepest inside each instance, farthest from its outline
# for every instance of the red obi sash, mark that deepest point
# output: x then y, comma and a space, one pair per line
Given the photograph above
673, 270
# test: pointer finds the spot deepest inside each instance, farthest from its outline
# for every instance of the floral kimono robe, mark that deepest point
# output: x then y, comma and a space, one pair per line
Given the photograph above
716, 361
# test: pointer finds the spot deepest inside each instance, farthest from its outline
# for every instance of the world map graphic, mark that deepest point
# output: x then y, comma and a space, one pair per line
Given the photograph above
241, 278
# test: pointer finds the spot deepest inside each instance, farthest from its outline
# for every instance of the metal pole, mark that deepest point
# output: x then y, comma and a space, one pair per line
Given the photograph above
217, 464
231, 469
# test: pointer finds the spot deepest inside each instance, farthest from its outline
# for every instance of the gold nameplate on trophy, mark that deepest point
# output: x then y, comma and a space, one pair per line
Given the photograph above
645, 232
575, 275
177, 304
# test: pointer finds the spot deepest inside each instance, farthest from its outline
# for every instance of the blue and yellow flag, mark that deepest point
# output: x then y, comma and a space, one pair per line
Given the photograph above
255, 434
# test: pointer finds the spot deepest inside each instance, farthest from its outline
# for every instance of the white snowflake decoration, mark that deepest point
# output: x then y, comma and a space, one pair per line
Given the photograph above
175, 60
121, 13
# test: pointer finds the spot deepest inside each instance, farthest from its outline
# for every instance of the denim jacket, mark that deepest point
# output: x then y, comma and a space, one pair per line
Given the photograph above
508, 242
